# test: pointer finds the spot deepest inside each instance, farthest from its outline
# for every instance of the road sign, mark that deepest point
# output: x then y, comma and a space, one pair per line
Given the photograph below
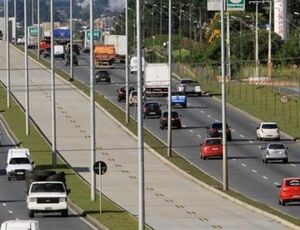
102, 165
235, 5
284, 99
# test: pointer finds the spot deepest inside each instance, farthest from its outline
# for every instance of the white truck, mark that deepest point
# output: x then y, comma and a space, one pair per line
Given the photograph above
133, 64
119, 42
47, 196
189, 87
156, 79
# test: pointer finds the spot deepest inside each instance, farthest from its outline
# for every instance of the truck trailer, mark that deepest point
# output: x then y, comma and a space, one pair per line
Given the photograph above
156, 79
119, 42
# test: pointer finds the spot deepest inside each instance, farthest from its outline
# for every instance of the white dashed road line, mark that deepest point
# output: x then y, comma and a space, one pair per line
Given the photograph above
216, 120
253, 170
10, 211
293, 165
184, 126
266, 178
4, 204
276, 183
209, 116
244, 165
233, 159
241, 136
202, 111
251, 142
199, 136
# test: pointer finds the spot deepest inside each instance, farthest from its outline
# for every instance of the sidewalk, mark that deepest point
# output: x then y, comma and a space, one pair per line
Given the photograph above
172, 200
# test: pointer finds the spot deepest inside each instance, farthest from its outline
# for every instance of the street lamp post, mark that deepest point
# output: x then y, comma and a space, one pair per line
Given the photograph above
170, 82
26, 69
71, 41
270, 43
7, 53
38, 22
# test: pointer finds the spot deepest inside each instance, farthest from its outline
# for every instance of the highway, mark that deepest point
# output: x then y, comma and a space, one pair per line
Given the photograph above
247, 174
13, 197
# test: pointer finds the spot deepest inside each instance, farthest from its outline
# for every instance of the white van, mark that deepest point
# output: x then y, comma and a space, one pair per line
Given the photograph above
59, 51
20, 225
18, 162
133, 64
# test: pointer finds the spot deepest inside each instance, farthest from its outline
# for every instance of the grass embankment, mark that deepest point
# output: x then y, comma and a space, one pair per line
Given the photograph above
162, 150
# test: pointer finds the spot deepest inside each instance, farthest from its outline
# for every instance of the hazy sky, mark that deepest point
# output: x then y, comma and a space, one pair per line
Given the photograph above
114, 5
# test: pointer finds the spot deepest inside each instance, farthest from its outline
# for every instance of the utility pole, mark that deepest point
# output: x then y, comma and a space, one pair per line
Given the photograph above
270, 43
141, 185
92, 103
53, 101
26, 70
126, 64
15, 27
224, 137
228, 69
170, 83
160, 23
71, 41
7, 53
39, 34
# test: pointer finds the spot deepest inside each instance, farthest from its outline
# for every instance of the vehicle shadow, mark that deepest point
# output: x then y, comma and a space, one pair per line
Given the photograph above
2, 172
12, 201
81, 169
194, 127
196, 107
241, 157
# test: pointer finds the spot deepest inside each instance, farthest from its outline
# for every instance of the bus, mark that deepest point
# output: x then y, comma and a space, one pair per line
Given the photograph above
98, 39
32, 36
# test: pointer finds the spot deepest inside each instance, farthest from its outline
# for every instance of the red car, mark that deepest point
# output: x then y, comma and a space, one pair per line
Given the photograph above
211, 147
289, 190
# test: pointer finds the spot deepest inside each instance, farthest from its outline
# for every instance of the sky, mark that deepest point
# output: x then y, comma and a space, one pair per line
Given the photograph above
114, 5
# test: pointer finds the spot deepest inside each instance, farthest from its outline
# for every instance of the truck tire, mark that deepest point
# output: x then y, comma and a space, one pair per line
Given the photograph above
30, 213
64, 213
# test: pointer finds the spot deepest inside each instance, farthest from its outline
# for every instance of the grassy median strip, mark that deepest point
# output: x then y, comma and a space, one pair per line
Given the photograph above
161, 148
113, 217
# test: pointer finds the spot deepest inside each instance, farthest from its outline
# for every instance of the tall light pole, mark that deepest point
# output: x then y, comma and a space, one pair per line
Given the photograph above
26, 69
7, 54
15, 26
170, 82
39, 34
160, 22
126, 63
270, 43
32, 12
71, 41
92, 102
224, 137
256, 40
141, 184
53, 104
228, 45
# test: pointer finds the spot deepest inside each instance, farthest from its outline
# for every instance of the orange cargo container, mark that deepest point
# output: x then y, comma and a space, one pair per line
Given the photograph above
104, 56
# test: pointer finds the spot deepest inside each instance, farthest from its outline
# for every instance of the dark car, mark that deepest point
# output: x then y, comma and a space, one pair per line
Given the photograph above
76, 48
151, 109
215, 130
122, 92
102, 76
67, 59
176, 120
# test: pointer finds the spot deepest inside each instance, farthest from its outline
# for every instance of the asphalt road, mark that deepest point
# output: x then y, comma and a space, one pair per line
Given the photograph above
247, 173
13, 198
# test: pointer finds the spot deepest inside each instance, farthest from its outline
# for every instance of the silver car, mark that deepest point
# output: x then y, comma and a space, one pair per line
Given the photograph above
274, 151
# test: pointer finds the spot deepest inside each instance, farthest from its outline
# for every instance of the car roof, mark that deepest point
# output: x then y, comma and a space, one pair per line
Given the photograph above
212, 138
18, 152
268, 123
151, 102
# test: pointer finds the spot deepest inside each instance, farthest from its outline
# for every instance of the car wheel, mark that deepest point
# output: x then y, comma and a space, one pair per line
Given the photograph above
119, 99
30, 213
8, 178
184, 106
278, 139
64, 213
266, 161
199, 94
283, 203
179, 127
263, 160
229, 138
279, 202
285, 161
203, 157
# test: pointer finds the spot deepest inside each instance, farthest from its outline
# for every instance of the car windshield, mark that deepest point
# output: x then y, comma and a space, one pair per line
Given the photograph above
174, 114
153, 105
48, 187
294, 182
269, 126
134, 93
213, 142
187, 81
218, 126
276, 146
20, 160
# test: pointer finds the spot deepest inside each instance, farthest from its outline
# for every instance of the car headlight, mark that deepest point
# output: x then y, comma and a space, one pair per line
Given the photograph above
32, 199
62, 199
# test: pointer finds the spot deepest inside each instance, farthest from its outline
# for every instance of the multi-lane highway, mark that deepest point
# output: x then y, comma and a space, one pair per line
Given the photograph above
13, 197
247, 173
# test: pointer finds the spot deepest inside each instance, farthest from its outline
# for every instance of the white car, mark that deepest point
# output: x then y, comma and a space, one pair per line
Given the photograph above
18, 162
20, 225
274, 151
20, 40
268, 130
47, 196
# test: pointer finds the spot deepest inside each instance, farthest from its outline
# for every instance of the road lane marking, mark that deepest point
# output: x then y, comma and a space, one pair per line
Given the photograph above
233, 159
242, 136
202, 111
199, 136
293, 165
183, 126
4, 204
216, 120
251, 142
276, 183
244, 165
233, 130
209, 116
10, 211
266, 178
191, 130
253, 170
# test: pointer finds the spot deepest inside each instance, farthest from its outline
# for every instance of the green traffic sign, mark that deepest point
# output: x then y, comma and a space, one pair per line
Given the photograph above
235, 5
